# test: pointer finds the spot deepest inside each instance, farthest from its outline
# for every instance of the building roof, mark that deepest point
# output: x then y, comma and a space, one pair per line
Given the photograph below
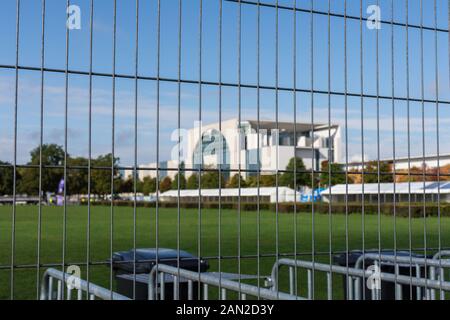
288, 126
235, 192
390, 188
397, 160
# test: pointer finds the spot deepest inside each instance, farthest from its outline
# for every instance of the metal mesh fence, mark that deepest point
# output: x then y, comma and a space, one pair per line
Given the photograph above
255, 135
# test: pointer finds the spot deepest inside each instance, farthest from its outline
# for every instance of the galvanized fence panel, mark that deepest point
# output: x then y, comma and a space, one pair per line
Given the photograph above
375, 72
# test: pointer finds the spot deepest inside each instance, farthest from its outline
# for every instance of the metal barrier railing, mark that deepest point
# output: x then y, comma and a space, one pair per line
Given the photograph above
426, 283
206, 281
82, 288
355, 275
429, 266
441, 274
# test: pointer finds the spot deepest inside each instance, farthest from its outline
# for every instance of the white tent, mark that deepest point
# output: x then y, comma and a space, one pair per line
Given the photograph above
284, 194
416, 190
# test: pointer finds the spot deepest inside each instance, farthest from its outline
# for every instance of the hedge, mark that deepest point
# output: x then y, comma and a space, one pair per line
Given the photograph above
387, 209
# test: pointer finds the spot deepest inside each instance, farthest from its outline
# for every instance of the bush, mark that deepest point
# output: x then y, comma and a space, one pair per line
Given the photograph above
401, 210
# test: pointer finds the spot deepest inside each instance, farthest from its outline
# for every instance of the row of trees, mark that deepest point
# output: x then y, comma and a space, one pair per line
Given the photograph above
53, 158
28, 177
212, 180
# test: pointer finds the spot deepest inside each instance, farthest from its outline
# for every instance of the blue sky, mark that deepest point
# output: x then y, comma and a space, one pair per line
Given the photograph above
78, 137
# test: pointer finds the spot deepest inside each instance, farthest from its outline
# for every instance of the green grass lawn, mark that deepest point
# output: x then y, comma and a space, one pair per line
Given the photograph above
26, 239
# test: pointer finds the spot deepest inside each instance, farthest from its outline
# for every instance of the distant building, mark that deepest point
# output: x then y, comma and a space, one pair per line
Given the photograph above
403, 192
265, 195
233, 145
403, 163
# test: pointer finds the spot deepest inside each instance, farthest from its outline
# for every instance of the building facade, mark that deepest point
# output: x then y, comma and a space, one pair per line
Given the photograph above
250, 146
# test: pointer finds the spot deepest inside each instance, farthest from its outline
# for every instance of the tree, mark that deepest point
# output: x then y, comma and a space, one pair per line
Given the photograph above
210, 180
77, 179
300, 178
371, 172
100, 178
182, 182
126, 185
149, 185
6, 179
234, 182
268, 180
52, 155
264, 181
165, 185
337, 174
192, 182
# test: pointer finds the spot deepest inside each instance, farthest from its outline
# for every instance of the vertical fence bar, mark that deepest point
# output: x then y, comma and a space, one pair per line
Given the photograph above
113, 148
221, 148
363, 166
294, 94
258, 174
162, 286
158, 93
135, 171
239, 231
277, 223
16, 100
378, 144
41, 141
190, 290
292, 280
347, 244
313, 157
438, 148
176, 281
422, 92
394, 165
200, 105
88, 237
409, 147
205, 292
330, 157
66, 125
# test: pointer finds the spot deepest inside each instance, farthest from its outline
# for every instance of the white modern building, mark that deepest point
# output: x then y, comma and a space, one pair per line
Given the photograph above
251, 145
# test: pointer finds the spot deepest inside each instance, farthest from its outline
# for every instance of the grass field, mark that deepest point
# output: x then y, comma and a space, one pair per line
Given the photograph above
51, 244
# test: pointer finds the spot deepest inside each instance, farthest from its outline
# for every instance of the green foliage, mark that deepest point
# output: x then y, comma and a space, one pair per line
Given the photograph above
210, 180
234, 182
101, 179
148, 185
165, 185
337, 174
77, 179
264, 181
6, 179
52, 155
371, 172
183, 182
299, 179
192, 182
